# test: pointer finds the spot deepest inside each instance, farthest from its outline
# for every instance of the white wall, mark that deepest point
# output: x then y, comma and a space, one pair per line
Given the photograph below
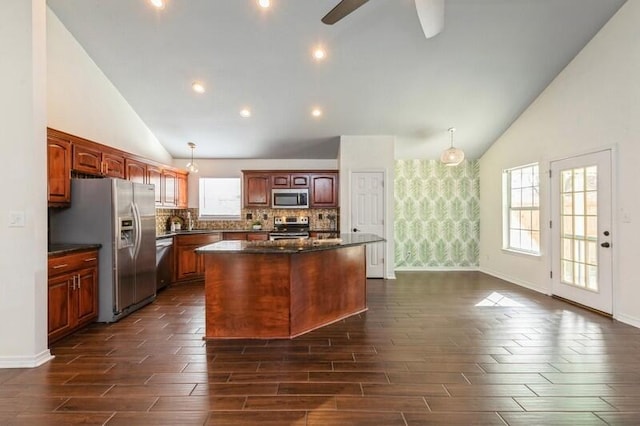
593, 103
233, 168
82, 101
369, 154
23, 261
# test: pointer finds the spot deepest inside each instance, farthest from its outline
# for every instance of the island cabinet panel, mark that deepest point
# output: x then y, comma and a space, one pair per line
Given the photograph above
326, 286
281, 295
324, 190
59, 171
257, 190
249, 297
72, 292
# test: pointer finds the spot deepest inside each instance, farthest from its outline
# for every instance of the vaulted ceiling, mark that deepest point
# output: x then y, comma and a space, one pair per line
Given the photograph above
381, 76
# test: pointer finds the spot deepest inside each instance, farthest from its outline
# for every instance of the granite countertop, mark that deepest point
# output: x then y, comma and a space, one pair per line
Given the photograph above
210, 231
290, 246
65, 248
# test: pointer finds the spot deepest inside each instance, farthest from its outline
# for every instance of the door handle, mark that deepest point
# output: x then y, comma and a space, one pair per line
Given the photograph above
356, 230
605, 245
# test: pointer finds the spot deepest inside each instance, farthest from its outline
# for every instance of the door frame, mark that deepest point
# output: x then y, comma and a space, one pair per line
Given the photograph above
346, 224
614, 217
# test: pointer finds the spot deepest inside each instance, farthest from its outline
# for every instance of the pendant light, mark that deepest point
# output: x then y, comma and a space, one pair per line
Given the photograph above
452, 156
192, 166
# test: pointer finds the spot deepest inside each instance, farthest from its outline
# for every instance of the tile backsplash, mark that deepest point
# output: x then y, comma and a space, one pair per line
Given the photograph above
319, 219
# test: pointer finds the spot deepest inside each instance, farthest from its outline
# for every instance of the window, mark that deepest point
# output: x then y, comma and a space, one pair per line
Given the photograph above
220, 198
522, 209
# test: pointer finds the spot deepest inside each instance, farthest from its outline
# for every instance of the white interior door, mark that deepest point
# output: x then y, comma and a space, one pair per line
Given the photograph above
367, 215
581, 230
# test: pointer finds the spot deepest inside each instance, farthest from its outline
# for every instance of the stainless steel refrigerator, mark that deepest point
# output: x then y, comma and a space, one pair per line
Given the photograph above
120, 215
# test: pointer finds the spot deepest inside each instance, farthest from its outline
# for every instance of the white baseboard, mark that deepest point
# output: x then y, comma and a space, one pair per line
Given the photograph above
25, 361
516, 281
435, 269
633, 321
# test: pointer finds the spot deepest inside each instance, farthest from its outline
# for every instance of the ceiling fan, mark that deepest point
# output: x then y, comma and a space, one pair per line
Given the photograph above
430, 13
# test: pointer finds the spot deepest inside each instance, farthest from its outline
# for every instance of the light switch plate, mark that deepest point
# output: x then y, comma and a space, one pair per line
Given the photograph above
16, 219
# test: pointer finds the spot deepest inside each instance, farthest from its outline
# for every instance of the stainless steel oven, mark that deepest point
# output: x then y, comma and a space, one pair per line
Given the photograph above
290, 227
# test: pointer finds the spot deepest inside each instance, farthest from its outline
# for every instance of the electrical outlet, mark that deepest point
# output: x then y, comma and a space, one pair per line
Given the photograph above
265, 216
320, 216
249, 216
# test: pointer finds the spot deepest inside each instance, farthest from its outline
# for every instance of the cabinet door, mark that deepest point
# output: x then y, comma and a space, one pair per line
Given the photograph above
257, 236
59, 305
299, 180
280, 180
170, 185
135, 171
257, 190
87, 160
59, 171
187, 264
324, 190
183, 188
242, 236
113, 165
86, 295
154, 177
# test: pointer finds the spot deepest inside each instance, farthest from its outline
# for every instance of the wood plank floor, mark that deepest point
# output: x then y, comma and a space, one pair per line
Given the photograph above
434, 348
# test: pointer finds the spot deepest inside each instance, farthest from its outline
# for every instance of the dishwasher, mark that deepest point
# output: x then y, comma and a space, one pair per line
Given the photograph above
164, 262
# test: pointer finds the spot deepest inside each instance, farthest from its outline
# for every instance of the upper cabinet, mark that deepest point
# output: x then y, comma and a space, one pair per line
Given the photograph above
67, 153
59, 171
92, 160
324, 190
322, 186
257, 189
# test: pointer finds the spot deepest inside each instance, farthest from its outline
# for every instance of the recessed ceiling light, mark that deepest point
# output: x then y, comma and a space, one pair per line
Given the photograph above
198, 87
264, 3
245, 113
158, 4
319, 53
316, 112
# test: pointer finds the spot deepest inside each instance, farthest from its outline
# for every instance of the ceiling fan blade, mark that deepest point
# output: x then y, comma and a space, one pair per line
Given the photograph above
341, 10
431, 15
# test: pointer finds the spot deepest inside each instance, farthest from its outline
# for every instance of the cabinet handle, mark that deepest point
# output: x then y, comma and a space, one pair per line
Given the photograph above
73, 283
64, 265
90, 259
79, 281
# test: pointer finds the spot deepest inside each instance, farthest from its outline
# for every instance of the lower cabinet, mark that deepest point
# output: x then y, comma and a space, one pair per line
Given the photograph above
189, 264
72, 292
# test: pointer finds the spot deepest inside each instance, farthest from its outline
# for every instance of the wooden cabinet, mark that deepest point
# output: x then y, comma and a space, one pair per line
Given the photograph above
189, 264
324, 190
322, 185
135, 171
72, 292
170, 188
289, 180
183, 190
92, 160
257, 190
58, 171
154, 177
67, 153
246, 236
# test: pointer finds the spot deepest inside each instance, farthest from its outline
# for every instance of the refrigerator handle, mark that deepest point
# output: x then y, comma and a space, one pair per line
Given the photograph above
137, 230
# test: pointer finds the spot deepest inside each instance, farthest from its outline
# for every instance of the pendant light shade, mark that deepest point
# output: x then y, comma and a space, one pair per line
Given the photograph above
452, 156
192, 166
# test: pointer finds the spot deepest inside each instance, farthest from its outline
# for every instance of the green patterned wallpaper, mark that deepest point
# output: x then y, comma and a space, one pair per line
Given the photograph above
437, 214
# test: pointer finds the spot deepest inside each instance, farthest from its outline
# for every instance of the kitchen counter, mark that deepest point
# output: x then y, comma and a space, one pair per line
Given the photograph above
56, 249
284, 288
290, 246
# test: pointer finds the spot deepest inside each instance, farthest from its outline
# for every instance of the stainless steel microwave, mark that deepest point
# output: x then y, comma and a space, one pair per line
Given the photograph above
290, 198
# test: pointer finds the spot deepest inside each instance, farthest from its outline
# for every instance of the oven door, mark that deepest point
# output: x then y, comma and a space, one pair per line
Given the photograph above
288, 236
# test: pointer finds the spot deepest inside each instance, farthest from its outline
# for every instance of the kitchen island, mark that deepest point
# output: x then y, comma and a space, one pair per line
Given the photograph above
284, 288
